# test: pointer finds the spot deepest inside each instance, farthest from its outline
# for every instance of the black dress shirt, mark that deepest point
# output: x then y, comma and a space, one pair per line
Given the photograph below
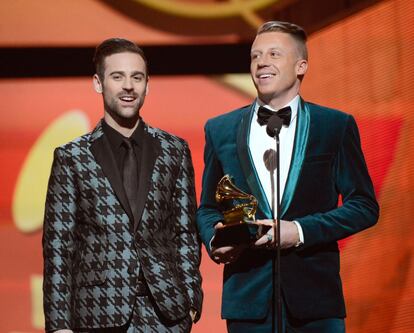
118, 149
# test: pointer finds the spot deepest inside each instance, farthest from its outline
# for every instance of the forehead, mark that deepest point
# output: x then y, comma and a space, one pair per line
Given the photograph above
274, 39
124, 62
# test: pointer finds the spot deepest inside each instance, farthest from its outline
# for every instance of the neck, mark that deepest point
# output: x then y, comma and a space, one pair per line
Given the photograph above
278, 101
124, 126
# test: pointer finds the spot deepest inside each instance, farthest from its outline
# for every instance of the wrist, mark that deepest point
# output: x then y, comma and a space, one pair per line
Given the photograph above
299, 236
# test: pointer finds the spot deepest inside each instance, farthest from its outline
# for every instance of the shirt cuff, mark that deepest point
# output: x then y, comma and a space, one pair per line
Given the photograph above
300, 231
209, 244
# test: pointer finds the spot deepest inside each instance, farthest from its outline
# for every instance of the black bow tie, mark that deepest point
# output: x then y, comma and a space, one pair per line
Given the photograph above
263, 115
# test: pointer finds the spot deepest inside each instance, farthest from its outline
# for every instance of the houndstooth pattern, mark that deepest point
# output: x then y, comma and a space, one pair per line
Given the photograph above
173, 246
92, 256
142, 320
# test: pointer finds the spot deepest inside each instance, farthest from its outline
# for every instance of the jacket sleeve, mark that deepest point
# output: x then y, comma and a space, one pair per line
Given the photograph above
208, 214
58, 244
189, 249
359, 208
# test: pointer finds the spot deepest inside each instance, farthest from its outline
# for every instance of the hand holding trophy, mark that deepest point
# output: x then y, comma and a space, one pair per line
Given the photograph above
239, 225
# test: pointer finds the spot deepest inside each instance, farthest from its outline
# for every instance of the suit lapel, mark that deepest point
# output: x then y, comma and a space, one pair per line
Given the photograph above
102, 152
150, 150
298, 154
246, 161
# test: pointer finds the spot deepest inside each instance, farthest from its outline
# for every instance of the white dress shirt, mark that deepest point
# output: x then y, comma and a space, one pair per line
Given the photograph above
260, 142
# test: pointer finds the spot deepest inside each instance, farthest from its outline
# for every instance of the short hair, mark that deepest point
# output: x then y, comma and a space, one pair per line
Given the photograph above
297, 33
113, 46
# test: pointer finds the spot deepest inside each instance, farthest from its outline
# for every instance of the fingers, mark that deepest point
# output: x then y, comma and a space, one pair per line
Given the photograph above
222, 250
219, 254
226, 254
225, 259
266, 240
265, 222
218, 225
228, 260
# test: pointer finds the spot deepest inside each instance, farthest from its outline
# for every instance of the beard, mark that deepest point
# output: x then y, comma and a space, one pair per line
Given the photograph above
125, 116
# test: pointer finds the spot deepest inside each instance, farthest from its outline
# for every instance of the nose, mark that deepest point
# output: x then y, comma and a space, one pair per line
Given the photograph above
263, 61
127, 84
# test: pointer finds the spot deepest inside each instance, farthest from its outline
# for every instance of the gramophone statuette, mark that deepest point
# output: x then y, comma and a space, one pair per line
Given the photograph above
239, 222
241, 212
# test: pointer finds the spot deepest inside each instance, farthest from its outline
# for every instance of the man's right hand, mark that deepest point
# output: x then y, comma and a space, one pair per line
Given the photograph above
225, 254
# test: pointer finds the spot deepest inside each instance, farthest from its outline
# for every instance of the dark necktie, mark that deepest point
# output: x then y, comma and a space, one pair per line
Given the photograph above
130, 176
264, 114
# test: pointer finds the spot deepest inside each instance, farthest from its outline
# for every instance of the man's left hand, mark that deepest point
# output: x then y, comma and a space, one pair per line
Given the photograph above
289, 235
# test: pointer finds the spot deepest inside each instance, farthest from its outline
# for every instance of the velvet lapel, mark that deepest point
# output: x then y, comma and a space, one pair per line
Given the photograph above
150, 150
246, 161
102, 152
298, 154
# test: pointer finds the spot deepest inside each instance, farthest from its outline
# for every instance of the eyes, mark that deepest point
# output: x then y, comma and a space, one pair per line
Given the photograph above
116, 77
136, 77
254, 56
273, 54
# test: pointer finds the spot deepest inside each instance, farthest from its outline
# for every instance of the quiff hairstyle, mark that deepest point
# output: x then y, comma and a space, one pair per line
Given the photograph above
297, 33
113, 46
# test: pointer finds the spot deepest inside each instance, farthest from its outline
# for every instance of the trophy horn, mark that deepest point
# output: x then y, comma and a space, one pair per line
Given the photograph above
241, 212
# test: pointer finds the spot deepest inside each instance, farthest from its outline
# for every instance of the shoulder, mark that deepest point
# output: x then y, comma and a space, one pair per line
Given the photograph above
324, 112
167, 139
229, 118
333, 120
75, 146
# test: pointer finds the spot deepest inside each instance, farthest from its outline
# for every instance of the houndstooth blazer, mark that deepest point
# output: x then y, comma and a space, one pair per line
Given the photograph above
93, 253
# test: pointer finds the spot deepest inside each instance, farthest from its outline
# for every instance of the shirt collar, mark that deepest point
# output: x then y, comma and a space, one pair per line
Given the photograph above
115, 138
294, 104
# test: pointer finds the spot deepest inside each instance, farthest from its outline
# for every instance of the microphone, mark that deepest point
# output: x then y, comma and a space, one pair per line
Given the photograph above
270, 160
273, 128
274, 125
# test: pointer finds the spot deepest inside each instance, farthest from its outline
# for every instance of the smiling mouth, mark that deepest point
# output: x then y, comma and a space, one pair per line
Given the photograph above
127, 99
265, 76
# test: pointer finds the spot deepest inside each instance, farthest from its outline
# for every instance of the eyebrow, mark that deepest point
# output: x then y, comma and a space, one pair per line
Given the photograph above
269, 50
123, 73
276, 49
138, 73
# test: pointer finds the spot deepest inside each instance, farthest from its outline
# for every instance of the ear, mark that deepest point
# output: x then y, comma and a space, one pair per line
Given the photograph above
301, 67
97, 84
147, 87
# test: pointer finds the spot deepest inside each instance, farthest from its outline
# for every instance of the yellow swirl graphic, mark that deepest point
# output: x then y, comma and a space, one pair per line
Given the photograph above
30, 192
207, 10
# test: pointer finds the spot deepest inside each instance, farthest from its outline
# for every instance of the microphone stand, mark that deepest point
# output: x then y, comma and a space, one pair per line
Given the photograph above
276, 265
273, 129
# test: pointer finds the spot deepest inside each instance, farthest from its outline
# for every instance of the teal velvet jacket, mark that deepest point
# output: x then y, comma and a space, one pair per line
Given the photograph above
327, 162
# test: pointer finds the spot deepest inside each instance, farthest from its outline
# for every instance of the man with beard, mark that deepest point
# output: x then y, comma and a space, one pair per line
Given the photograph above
120, 247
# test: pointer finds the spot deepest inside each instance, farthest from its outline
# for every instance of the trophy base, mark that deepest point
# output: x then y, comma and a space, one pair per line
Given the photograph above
242, 233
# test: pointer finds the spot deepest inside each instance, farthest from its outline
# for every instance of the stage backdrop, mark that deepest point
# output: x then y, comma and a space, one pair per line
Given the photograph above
362, 65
